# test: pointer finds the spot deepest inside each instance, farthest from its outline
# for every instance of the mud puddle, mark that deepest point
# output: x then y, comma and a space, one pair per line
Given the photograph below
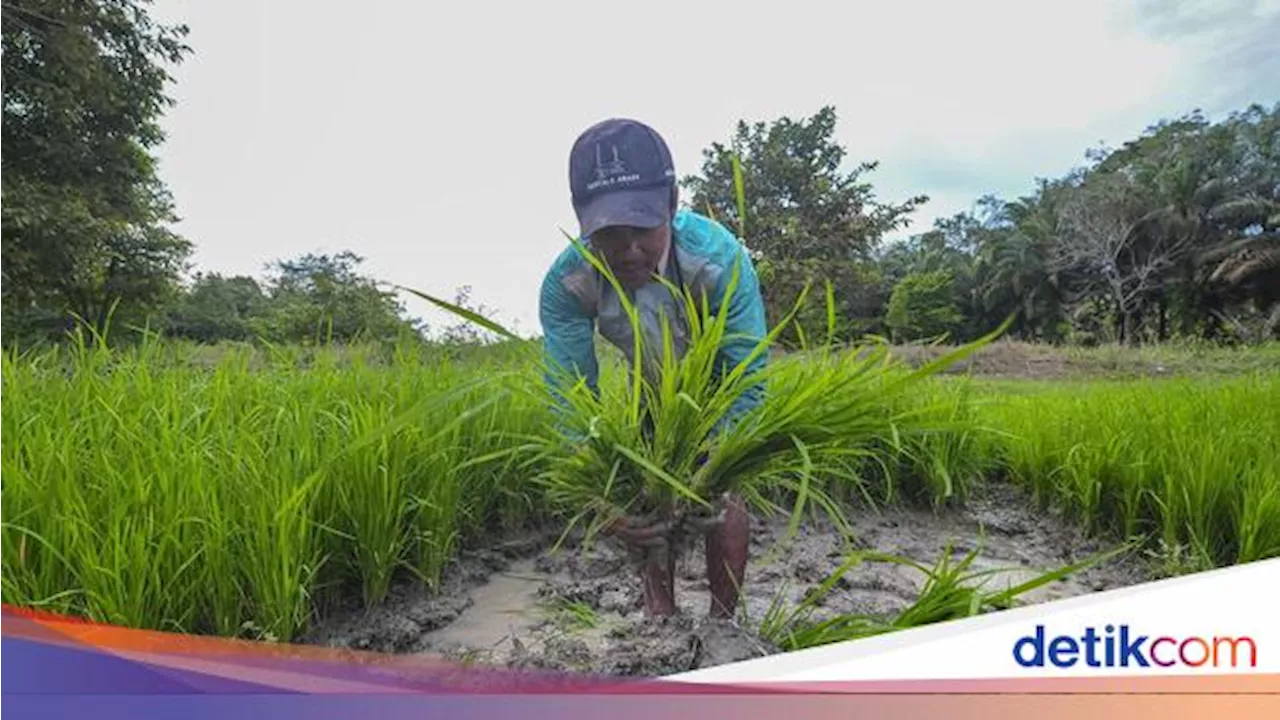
580, 609
504, 607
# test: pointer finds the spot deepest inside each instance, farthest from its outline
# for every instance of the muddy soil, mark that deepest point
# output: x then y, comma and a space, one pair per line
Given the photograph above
518, 605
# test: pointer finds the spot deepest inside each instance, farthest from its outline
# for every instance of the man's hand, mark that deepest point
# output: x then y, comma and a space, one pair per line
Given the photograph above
651, 531
704, 520
645, 532
649, 540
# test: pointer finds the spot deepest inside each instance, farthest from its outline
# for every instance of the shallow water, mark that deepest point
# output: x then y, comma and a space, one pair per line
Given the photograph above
504, 607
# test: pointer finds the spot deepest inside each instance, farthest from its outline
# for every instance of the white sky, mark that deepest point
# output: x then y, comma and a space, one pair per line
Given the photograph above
432, 138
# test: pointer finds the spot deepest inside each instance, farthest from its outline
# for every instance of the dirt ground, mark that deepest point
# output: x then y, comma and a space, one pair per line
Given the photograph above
516, 605
1012, 359
1000, 359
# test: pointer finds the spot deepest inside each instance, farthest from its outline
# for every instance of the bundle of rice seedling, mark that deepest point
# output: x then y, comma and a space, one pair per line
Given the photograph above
659, 446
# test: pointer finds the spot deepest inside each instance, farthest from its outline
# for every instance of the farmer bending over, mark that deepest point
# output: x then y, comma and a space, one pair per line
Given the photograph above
624, 193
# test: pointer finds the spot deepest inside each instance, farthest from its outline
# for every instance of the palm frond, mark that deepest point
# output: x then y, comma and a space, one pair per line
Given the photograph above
1244, 211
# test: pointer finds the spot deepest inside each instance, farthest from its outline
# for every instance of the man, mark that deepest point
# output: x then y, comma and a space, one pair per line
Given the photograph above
624, 192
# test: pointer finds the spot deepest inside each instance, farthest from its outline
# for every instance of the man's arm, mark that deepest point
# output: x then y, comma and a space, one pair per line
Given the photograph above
746, 326
568, 337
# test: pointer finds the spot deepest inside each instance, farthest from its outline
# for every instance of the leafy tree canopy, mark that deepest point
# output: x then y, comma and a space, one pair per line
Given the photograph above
808, 219
84, 212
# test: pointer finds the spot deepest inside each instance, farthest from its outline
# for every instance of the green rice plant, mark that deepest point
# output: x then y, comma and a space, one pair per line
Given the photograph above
394, 497
950, 450
244, 489
660, 445
450, 501
824, 423
1192, 465
239, 493
952, 590
571, 614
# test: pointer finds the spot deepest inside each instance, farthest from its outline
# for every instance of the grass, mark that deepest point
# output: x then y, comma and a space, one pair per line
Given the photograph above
1177, 358
571, 615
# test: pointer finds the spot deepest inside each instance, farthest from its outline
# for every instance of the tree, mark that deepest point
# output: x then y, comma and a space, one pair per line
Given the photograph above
309, 299
322, 298
1176, 231
83, 211
923, 306
219, 308
949, 248
1245, 265
1101, 239
1242, 264
1012, 265
1251, 259
807, 220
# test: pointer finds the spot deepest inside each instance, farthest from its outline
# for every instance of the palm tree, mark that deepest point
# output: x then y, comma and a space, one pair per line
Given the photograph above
1013, 269
1245, 263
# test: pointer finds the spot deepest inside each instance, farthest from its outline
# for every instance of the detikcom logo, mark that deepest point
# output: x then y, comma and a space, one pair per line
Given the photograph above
1120, 646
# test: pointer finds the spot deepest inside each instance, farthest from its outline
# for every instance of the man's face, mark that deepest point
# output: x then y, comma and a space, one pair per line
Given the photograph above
632, 253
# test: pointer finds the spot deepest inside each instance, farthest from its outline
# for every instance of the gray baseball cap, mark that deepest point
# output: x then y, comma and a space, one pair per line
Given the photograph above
620, 173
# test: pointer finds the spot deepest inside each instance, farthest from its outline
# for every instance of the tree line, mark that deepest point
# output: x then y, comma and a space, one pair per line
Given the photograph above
1174, 234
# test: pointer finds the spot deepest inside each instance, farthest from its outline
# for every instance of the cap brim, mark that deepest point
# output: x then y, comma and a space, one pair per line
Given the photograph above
648, 208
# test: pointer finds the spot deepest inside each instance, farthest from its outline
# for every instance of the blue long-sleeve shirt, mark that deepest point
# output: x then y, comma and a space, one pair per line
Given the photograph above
576, 301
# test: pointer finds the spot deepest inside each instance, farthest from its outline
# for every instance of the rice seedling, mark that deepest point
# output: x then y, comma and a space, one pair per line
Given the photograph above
571, 615
950, 449
1191, 465
143, 490
952, 590
240, 495
659, 444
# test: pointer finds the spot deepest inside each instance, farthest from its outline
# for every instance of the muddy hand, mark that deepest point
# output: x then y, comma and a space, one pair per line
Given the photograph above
648, 542
704, 520
644, 533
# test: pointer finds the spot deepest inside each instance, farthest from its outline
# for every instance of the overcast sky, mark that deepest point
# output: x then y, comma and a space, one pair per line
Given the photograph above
432, 138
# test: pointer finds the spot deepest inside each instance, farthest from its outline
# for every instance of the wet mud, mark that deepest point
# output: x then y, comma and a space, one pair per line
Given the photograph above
517, 604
